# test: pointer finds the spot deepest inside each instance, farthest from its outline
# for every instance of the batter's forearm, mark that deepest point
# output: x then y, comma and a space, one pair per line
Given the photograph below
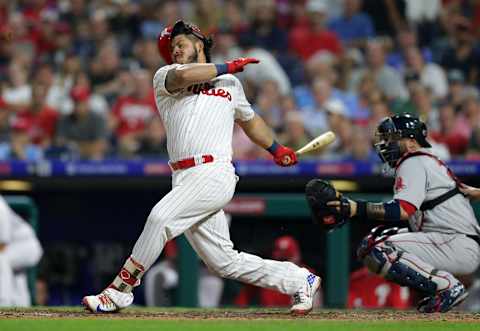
188, 74
257, 130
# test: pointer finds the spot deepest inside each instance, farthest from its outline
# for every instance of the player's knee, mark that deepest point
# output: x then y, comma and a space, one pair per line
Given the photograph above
377, 257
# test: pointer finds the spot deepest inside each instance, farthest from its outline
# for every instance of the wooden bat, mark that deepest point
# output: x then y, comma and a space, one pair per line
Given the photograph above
320, 142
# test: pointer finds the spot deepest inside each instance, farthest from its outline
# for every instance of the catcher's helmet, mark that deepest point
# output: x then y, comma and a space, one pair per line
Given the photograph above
392, 129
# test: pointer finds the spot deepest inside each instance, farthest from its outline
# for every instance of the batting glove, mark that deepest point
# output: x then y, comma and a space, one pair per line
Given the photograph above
238, 64
283, 156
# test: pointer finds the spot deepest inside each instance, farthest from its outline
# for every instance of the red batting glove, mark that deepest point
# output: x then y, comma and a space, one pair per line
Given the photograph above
238, 64
284, 156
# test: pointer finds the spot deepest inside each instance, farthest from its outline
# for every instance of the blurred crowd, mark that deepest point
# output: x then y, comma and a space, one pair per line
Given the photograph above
76, 75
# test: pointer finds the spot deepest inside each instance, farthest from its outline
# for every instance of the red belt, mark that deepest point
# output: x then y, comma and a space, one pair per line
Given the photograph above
191, 162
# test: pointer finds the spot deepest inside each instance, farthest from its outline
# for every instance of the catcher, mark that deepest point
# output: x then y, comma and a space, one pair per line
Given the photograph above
442, 239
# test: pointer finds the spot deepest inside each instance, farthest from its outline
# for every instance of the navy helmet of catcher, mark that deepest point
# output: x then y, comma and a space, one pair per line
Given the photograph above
391, 130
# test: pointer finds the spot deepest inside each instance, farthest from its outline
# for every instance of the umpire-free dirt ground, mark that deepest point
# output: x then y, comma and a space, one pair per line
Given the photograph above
74, 318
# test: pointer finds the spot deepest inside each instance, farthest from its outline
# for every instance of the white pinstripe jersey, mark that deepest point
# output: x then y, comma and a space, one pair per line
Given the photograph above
199, 119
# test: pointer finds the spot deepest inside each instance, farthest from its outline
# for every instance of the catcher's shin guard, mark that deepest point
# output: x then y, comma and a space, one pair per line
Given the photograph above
406, 269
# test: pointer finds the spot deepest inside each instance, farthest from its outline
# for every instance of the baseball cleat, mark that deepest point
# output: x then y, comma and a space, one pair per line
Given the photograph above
303, 298
109, 301
444, 300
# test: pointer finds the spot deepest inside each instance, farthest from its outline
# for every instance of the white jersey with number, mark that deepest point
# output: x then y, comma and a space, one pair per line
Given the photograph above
199, 119
423, 178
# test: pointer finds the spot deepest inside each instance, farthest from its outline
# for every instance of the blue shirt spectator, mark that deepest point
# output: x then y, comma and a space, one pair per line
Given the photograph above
353, 25
353, 28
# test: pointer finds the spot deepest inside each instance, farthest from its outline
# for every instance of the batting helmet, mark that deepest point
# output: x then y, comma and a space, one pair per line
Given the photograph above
181, 27
392, 129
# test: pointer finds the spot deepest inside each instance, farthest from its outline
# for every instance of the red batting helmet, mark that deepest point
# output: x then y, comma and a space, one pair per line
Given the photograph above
163, 44
181, 27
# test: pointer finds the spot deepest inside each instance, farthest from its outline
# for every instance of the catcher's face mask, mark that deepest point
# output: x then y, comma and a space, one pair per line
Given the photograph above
386, 142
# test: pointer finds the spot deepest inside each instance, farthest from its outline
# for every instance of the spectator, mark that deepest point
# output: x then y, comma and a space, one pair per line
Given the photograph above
233, 18
270, 70
41, 118
353, 27
453, 132
104, 72
17, 92
361, 149
19, 250
154, 142
406, 38
315, 119
306, 41
132, 112
369, 291
263, 30
431, 75
20, 146
146, 52
96, 102
424, 108
56, 95
226, 46
340, 124
462, 54
83, 131
456, 88
204, 17
294, 134
386, 78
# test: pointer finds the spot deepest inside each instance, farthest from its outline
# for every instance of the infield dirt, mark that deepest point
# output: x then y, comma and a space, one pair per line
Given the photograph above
246, 314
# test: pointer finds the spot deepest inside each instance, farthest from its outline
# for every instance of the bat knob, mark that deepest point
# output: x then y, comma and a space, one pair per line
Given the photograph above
287, 160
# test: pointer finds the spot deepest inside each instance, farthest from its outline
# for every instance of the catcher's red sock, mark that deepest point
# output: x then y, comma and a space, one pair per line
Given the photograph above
129, 276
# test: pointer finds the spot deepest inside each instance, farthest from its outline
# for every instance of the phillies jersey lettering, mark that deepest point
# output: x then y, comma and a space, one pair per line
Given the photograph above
209, 89
199, 119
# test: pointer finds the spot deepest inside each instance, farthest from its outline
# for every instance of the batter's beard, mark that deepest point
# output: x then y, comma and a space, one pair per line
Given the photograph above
193, 58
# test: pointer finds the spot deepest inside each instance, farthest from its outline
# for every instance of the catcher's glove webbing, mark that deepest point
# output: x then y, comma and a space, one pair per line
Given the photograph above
319, 193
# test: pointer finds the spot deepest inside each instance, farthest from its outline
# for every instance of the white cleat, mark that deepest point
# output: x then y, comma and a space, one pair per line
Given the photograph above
303, 298
109, 301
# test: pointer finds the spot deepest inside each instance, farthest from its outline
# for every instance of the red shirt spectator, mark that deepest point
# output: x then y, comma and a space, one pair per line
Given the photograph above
40, 118
41, 124
132, 113
368, 290
307, 40
454, 130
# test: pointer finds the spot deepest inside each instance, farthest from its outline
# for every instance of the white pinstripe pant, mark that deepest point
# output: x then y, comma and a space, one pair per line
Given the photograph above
194, 207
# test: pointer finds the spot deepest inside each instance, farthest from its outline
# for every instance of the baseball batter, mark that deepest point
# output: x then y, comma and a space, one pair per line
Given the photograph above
19, 250
199, 103
443, 240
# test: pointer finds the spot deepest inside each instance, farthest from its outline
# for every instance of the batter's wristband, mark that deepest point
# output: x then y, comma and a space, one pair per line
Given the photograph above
222, 69
361, 209
273, 149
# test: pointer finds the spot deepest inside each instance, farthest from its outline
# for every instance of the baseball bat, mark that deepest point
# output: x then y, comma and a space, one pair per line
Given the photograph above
321, 141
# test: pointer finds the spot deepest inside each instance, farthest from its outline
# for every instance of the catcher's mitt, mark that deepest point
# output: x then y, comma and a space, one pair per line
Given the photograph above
319, 193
